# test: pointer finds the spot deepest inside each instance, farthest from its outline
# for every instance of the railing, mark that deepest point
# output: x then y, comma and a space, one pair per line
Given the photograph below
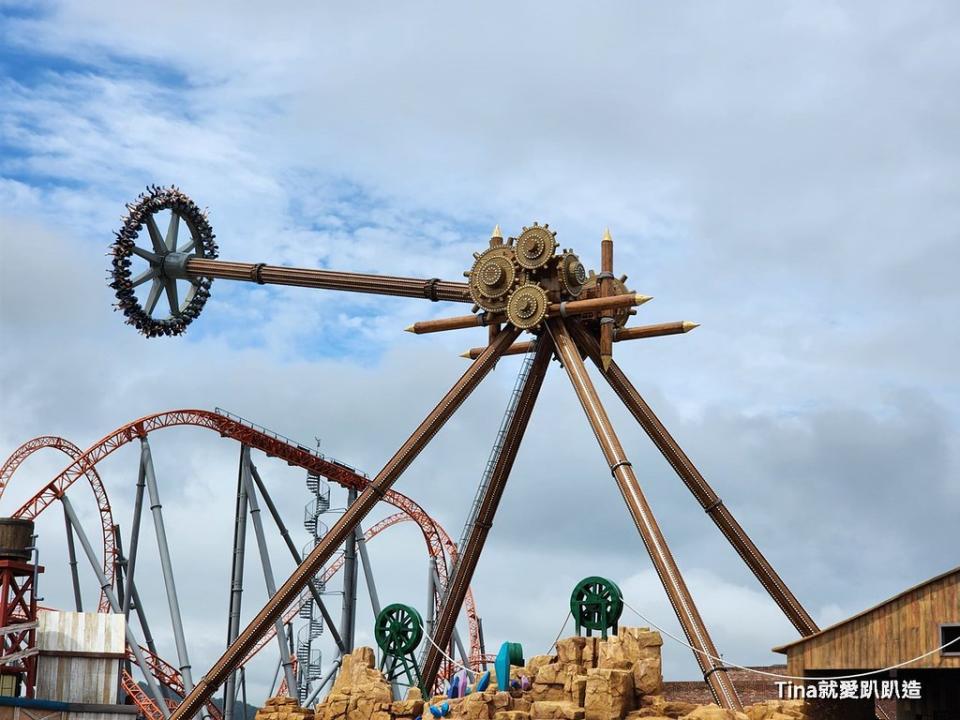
497, 448
284, 439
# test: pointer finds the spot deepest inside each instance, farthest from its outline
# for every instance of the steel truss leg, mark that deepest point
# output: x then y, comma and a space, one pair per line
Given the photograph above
114, 604
693, 626
297, 558
268, 578
72, 553
469, 555
236, 583
697, 485
348, 615
171, 586
287, 593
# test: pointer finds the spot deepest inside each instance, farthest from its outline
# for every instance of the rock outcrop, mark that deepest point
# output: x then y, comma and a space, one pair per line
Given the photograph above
619, 678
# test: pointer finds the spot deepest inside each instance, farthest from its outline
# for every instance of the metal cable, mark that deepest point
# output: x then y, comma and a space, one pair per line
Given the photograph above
450, 659
775, 675
562, 628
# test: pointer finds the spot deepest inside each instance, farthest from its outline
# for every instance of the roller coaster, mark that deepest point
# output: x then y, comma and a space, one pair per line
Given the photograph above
440, 547
525, 284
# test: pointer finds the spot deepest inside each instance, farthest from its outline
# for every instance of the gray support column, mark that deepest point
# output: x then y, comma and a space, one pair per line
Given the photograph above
483, 645
119, 566
372, 589
114, 605
236, 584
142, 617
432, 587
330, 675
295, 554
72, 552
169, 583
135, 528
268, 577
455, 635
368, 572
243, 691
348, 617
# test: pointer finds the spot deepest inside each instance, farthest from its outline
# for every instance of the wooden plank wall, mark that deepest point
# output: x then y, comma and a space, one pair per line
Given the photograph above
79, 679
893, 633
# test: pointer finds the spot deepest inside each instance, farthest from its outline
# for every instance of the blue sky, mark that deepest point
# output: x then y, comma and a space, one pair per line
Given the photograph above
787, 176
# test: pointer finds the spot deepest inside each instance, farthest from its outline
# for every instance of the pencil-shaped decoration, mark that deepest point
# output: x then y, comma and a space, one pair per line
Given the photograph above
606, 289
636, 333
496, 238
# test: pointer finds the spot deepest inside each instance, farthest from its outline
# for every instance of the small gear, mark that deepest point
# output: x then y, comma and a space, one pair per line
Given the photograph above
527, 307
493, 276
535, 246
572, 273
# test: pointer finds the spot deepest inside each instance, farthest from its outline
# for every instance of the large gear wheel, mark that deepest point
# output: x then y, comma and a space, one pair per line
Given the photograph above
162, 262
572, 273
535, 246
527, 307
492, 277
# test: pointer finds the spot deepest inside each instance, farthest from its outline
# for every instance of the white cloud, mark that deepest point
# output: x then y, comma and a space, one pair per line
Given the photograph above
786, 176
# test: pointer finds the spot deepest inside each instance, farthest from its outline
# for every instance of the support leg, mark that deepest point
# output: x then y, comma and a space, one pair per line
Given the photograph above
268, 578
348, 615
135, 533
114, 605
166, 566
72, 553
697, 485
368, 572
297, 558
469, 554
236, 583
656, 545
330, 675
288, 592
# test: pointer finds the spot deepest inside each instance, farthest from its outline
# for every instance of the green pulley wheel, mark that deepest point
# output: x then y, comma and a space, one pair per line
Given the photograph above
398, 629
596, 604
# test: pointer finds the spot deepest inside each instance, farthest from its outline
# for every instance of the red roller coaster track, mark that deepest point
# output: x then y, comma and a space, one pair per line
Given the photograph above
84, 464
96, 484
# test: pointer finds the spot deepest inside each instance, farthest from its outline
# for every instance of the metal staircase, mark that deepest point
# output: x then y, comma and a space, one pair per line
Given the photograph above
487, 476
308, 651
497, 448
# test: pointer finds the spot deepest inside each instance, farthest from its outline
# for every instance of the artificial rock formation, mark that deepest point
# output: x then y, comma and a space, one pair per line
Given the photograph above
618, 678
283, 708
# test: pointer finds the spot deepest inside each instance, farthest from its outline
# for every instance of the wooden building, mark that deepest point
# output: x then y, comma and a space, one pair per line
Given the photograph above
911, 626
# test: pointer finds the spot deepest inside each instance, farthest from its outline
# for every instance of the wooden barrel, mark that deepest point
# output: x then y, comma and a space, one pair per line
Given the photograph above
15, 537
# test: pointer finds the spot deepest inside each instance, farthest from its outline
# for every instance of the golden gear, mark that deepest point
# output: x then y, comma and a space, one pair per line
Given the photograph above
535, 246
527, 307
572, 273
492, 277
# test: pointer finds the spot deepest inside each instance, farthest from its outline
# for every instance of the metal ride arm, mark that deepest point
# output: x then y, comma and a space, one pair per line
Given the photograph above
469, 554
693, 626
287, 593
697, 485
190, 267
